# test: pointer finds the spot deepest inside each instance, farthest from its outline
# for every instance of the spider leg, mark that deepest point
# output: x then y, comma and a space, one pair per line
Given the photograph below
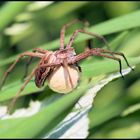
49, 65
88, 33
97, 52
68, 76
119, 53
10, 106
27, 66
14, 64
39, 50
62, 33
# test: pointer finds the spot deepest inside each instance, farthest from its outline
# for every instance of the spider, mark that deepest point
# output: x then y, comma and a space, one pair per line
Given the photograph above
60, 68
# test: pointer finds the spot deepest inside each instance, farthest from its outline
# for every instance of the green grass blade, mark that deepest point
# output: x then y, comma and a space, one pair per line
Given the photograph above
31, 126
119, 127
9, 11
61, 7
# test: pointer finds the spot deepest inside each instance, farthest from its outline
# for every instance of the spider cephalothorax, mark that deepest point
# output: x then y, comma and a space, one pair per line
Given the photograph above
65, 53
60, 68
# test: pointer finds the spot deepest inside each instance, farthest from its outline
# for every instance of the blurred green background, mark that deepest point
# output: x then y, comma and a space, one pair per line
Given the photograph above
28, 25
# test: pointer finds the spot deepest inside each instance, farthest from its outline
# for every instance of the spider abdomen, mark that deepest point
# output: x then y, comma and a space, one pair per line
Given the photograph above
62, 82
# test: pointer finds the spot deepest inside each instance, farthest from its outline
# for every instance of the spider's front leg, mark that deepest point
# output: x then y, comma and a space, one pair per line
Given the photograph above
14, 64
99, 52
63, 30
88, 33
120, 54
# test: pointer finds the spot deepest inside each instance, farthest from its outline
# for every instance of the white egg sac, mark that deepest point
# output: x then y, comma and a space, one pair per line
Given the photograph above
59, 80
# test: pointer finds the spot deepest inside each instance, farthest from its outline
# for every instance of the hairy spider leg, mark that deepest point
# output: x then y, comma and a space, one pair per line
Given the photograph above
68, 76
121, 54
88, 33
12, 103
14, 64
62, 33
97, 52
50, 65
39, 50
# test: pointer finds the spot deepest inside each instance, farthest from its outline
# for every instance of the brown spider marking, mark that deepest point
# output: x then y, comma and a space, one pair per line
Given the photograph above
60, 68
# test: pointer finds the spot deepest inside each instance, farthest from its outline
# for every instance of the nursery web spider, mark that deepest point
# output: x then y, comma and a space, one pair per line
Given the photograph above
60, 68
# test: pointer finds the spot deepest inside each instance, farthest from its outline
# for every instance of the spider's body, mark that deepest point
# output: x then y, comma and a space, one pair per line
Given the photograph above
59, 79
60, 68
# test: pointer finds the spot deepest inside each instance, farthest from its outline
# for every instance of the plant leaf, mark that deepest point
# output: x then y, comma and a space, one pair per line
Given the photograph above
7, 14
55, 109
31, 127
131, 109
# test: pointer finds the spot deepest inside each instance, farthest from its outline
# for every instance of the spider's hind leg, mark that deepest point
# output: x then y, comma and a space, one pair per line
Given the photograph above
10, 106
26, 67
